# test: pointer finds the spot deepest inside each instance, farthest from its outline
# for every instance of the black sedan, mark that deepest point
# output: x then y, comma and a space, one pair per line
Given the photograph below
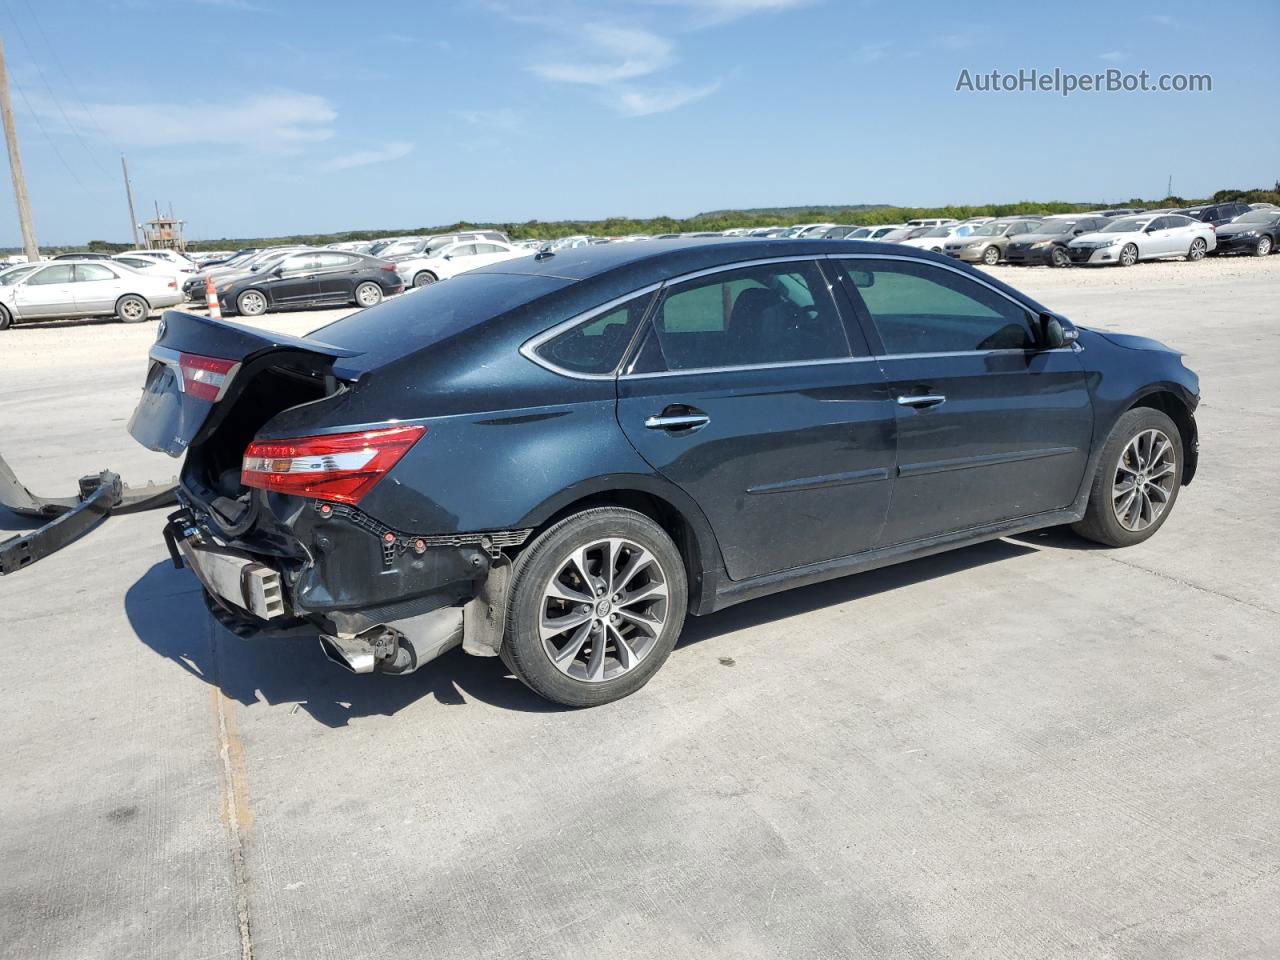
1049, 243
1256, 233
554, 459
312, 278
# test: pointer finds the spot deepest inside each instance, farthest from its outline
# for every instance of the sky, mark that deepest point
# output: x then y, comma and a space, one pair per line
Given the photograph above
270, 117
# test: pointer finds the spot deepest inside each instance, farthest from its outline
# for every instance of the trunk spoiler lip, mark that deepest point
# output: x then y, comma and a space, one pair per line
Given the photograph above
256, 339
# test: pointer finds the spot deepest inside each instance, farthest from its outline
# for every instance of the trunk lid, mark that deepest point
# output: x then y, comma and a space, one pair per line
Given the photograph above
199, 365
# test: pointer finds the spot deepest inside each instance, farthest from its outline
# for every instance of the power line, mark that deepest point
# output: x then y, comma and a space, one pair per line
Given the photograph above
52, 96
53, 146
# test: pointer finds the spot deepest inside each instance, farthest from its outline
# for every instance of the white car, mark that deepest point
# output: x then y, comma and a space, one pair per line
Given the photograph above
454, 259
184, 264
930, 221
875, 231
1126, 240
937, 237
151, 265
83, 288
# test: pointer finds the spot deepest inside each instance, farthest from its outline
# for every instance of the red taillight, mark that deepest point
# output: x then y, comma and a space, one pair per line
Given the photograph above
389, 268
173, 285
341, 467
206, 378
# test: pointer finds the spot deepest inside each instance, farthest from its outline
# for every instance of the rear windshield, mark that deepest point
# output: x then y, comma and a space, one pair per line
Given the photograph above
431, 314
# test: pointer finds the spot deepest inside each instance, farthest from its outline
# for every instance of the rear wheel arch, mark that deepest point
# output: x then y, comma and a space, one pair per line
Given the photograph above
669, 507
1176, 409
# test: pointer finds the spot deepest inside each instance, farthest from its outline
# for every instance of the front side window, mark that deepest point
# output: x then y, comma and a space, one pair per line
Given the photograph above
92, 271
597, 345
59, 274
921, 308
764, 314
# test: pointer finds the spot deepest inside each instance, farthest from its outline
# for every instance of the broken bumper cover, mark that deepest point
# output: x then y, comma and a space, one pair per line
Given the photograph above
377, 600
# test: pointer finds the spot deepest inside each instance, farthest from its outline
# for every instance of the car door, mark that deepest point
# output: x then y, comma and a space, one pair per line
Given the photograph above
1183, 231
336, 275
990, 426
96, 288
748, 394
47, 293
294, 280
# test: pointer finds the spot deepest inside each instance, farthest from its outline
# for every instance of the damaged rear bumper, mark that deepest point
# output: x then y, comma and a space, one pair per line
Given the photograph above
377, 600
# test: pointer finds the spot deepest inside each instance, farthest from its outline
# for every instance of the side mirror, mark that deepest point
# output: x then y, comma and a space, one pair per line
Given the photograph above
1055, 333
278, 272
862, 278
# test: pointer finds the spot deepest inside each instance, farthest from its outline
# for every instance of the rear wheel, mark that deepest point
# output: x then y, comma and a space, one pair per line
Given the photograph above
424, 277
1198, 250
596, 604
1129, 255
132, 309
251, 303
6, 319
991, 256
1058, 257
1263, 248
368, 294
1137, 482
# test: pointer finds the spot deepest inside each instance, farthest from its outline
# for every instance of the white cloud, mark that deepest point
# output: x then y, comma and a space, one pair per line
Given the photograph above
633, 102
363, 158
272, 122
503, 120
1112, 55
721, 11
627, 53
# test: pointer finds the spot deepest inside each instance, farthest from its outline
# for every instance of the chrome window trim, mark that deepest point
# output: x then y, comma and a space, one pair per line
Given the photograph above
529, 349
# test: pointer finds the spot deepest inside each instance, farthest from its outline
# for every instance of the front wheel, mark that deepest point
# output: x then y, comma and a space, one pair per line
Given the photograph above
595, 606
1263, 248
132, 309
1129, 255
1198, 249
6, 319
368, 295
251, 303
1137, 481
1058, 257
423, 277
991, 256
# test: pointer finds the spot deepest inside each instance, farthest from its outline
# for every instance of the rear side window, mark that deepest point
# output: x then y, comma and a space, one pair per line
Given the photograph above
920, 308
765, 314
597, 345
92, 271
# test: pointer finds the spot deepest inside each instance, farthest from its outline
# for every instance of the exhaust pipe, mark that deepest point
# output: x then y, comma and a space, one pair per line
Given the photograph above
401, 646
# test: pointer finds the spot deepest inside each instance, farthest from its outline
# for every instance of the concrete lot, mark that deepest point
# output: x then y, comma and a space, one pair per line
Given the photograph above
1026, 749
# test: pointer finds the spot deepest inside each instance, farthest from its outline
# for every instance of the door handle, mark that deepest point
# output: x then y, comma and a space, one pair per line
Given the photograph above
679, 421
921, 402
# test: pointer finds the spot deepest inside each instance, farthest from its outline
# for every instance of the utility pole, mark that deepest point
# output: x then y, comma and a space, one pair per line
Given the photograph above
128, 192
1168, 191
15, 166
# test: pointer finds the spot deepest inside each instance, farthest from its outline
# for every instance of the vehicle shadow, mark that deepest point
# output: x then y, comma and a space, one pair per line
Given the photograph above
1059, 538
15, 522
167, 613
792, 603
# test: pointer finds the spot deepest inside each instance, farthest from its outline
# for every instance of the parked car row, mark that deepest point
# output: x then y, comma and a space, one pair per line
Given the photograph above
83, 288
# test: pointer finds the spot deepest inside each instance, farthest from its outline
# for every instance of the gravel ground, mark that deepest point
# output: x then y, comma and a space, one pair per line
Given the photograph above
1023, 749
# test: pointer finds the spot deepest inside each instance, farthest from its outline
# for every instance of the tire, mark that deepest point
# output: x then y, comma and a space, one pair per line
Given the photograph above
547, 577
1058, 257
131, 308
1264, 247
368, 294
991, 256
1197, 251
1102, 520
251, 303
6, 319
1128, 255
423, 278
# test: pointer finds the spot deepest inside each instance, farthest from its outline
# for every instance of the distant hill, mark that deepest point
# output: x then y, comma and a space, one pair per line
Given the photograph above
822, 209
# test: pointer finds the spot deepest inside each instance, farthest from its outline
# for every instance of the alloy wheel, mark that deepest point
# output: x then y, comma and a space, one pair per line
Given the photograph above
603, 610
1129, 255
991, 256
1197, 250
1144, 480
252, 303
132, 310
1264, 246
368, 295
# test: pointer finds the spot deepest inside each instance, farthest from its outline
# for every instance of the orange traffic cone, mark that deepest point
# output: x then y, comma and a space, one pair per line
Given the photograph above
211, 298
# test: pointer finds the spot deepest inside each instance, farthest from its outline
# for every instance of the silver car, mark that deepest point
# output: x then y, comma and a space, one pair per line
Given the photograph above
83, 288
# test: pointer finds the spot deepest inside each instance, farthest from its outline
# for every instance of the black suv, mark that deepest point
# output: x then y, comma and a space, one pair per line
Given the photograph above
554, 458
1215, 213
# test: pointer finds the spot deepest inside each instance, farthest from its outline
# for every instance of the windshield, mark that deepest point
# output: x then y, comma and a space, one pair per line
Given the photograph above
1056, 226
938, 232
992, 229
12, 275
1126, 225
1257, 216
